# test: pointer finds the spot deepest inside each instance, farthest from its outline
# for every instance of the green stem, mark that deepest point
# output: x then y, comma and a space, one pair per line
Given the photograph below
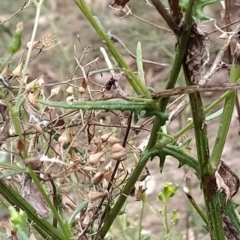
6, 61
207, 110
41, 225
197, 208
182, 46
127, 188
166, 218
157, 122
16, 122
141, 219
226, 116
135, 82
38, 11
64, 226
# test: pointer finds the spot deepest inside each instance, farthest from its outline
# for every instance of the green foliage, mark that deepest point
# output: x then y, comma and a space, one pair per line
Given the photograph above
136, 107
15, 43
198, 10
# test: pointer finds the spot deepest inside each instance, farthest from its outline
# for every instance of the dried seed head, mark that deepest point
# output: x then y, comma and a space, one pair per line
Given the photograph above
88, 217
33, 97
82, 90
64, 138
145, 173
110, 139
36, 44
69, 90
38, 127
107, 174
117, 148
55, 90
17, 72
94, 159
93, 196
138, 192
5, 71
120, 156
105, 137
36, 83
97, 178
48, 40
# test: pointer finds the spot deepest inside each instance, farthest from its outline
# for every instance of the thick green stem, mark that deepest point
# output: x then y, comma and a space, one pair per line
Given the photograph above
182, 45
212, 203
157, 123
226, 116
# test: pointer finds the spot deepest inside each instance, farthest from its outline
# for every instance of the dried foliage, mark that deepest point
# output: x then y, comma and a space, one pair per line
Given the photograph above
84, 157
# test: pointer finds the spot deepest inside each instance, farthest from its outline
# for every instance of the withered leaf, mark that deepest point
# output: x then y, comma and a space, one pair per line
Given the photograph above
175, 11
227, 181
84, 84
120, 2
90, 132
20, 145
230, 232
33, 196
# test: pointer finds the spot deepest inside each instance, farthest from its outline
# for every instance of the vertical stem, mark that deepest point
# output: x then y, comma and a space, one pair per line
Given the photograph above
182, 46
38, 11
227, 114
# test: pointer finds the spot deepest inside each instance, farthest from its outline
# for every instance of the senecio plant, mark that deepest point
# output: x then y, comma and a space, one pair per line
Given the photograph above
89, 164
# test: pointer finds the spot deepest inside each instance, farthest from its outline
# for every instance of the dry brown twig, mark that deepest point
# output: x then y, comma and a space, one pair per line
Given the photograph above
25, 5
114, 38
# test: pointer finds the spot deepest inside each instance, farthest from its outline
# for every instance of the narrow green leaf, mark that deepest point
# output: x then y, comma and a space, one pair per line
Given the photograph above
136, 107
22, 235
198, 8
140, 63
99, 23
11, 173
41, 225
64, 226
214, 115
80, 207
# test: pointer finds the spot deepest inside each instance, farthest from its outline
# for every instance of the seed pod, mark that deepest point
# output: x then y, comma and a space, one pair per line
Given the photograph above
93, 196
117, 148
81, 90
17, 72
36, 44
110, 139
64, 138
138, 192
94, 159
69, 90
5, 71
38, 127
55, 90
120, 156
105, 137
88, 217
107, 174
33, 97
97, 178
